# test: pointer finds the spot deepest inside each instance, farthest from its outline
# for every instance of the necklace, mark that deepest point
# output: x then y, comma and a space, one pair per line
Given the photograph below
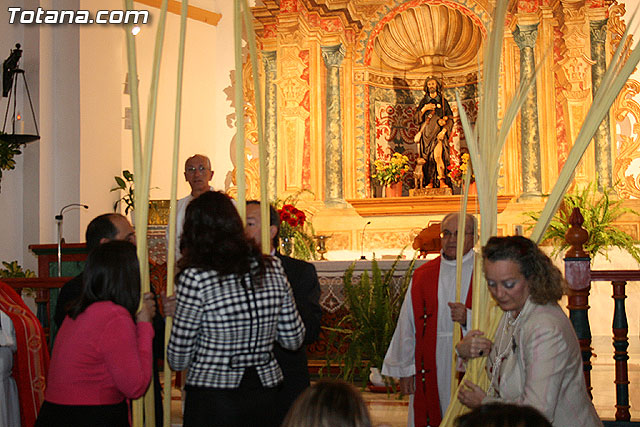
509, 328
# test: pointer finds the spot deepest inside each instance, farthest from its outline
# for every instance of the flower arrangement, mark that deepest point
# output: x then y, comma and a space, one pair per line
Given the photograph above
392, 170
296, 232
458, 169
292, 217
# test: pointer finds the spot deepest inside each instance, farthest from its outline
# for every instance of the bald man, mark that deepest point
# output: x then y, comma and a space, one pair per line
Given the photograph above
421, 349
198, 173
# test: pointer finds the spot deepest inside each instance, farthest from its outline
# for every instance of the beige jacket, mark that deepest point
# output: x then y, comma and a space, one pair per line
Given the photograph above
543, 367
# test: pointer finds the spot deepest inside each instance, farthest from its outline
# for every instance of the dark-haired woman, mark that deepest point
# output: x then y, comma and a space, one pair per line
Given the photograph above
102, 354
232, 305
535, 357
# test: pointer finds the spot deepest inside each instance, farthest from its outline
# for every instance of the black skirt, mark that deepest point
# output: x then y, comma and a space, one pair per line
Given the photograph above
54, 415
250, 404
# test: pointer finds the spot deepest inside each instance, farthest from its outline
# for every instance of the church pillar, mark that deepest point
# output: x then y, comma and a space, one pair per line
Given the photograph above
333, 56
525, 38
602, 138
271, 120
572, 70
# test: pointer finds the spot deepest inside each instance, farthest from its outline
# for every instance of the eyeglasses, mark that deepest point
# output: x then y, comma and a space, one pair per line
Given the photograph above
447, 234
200, 169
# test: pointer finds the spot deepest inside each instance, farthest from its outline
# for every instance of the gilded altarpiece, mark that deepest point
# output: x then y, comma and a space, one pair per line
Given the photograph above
372, 58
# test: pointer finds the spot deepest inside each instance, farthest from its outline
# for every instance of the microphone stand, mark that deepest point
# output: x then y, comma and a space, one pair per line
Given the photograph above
59, 219
362, 257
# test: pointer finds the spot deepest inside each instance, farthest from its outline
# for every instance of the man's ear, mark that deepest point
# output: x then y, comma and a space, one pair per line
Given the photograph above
104, 240
273, 230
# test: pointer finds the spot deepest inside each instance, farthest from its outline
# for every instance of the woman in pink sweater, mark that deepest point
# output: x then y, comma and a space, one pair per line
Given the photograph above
102, 353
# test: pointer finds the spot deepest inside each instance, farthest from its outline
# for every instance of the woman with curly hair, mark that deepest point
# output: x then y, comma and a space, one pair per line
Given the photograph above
535, 358
233, 303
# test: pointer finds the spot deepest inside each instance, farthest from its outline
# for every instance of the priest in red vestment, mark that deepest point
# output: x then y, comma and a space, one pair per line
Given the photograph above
421, 349
31, 359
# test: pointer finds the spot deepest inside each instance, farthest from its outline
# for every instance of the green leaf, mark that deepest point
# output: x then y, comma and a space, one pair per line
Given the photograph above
599, 212
364, 333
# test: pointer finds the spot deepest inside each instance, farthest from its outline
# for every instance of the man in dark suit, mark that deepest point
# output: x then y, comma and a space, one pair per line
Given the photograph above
306, 291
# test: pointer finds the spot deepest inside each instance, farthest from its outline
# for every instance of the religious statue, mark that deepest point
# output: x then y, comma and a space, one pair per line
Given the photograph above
436, 121
418, 173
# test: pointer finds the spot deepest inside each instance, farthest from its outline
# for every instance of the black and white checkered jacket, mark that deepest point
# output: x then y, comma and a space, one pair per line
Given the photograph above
222, 327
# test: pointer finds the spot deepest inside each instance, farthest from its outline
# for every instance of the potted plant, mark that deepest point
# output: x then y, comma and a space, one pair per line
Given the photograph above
366, 331
125, 183
390, 170
13, 270
8, 150
599, 212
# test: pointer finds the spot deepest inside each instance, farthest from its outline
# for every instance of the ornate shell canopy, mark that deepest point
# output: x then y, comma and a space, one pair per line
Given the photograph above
428, 38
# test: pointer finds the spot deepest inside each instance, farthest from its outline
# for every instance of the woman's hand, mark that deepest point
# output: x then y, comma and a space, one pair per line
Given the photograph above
473, 345
148, 309
471, 395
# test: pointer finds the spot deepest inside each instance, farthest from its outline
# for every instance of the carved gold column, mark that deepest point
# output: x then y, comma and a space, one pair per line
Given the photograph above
271, 120
549, 133
333, 56
525, 38
602, 138
572, 73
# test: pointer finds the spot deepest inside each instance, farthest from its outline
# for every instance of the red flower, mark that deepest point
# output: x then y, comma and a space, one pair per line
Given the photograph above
301, 218
292, 216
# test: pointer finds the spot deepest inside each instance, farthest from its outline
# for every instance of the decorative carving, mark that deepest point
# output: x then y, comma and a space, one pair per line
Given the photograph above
626, 111
478, 12
292, 86
412, 40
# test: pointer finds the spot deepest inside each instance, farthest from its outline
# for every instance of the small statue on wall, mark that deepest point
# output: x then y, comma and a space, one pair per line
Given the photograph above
435, 118
418, 173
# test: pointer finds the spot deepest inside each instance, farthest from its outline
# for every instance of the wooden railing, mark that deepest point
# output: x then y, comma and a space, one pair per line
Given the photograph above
580, 276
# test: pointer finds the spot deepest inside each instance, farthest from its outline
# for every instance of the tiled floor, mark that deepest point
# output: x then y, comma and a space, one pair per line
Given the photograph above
391, 411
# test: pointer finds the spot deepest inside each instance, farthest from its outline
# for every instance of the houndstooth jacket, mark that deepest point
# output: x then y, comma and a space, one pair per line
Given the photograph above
223, 325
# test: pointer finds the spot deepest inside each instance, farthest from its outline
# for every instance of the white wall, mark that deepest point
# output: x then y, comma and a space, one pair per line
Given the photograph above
208, 63
101, 83
76, 76
11, 226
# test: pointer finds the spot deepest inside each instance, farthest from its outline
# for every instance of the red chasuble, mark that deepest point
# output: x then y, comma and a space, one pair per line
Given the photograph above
31, 360
424, 297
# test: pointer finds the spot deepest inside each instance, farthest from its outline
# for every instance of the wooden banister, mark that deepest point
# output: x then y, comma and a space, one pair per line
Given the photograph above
577, 267
579, 276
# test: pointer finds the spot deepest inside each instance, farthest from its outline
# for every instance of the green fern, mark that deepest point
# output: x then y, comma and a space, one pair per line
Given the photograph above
366, 331
599, 211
